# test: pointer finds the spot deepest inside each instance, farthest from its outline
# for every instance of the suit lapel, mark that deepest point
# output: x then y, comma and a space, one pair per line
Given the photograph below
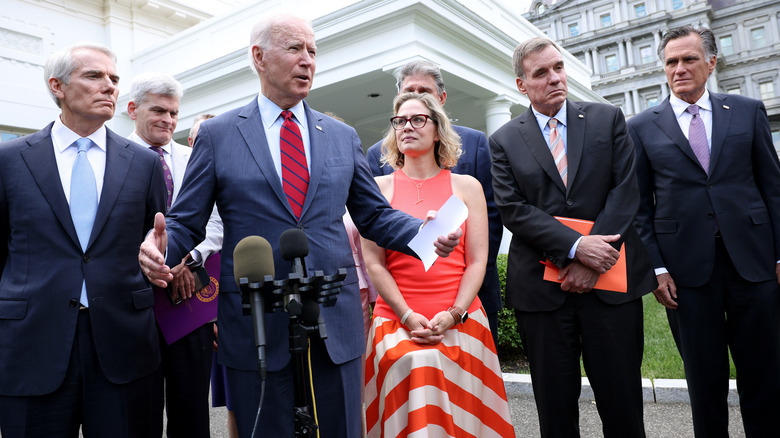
575, 139
318, 147
118, 159
721, 116
668, 124
251, 129
40, 160
535, 141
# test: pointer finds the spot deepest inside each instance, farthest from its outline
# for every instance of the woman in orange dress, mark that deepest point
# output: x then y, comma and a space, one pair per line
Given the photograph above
431, 364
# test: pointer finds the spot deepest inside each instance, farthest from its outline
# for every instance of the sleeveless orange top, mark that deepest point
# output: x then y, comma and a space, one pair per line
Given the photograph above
427, 293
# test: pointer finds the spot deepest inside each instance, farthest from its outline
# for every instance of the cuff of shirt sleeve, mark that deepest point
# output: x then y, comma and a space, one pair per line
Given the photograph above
573, 250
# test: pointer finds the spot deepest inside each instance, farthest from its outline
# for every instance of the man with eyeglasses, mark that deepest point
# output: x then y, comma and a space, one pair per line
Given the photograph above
425, 77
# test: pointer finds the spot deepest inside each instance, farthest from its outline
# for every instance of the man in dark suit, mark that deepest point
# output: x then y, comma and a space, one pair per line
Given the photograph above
425, 77
240, 160
79, 344
186, 363
589, 176
709, 179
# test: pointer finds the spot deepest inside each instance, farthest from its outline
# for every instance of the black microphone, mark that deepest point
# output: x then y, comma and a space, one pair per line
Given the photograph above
253, 267
294, 246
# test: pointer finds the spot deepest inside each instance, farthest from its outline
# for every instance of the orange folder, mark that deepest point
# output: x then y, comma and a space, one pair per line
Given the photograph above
614, 280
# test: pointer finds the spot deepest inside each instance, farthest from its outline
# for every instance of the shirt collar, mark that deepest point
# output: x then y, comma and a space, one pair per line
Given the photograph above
543, 120
679, 106
63, 136
270, 111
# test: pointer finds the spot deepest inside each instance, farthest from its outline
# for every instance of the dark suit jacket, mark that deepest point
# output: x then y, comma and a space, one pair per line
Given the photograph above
742, 191
475, 161
44, 266
232, 165
529, 192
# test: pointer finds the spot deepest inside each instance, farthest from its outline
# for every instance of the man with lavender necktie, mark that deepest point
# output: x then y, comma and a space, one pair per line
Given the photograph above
710, 217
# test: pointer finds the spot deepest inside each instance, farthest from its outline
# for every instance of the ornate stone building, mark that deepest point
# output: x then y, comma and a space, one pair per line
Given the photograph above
617, 40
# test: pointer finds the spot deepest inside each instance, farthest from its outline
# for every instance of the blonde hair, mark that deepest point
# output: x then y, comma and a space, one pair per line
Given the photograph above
447, 150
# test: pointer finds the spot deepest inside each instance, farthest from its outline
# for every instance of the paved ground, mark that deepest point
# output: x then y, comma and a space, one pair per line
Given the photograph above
662, 420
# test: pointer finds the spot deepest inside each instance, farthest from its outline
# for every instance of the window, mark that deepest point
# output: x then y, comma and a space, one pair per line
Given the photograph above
767, 90
640, 10
612, 63
726, 45
606, 20
646, 54
677, 4
539, 9
734, 90
5, 136
757, 35
651, 101
574, 29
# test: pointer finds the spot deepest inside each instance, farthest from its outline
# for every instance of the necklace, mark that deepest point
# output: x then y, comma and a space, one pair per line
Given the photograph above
419, 184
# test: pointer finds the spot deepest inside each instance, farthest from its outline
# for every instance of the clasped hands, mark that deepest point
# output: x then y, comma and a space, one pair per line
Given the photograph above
430, 332
594, 256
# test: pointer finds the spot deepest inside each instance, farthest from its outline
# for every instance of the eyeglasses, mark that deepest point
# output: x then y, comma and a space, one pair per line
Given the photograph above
418, 121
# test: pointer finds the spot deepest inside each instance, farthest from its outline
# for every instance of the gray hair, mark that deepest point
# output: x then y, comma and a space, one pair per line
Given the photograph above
533, 45
421, 67
154, 83
61, 64
198, 120
263, 33
708, 45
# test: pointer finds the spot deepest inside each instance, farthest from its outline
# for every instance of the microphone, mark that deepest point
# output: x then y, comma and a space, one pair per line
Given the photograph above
253, 267
294, 246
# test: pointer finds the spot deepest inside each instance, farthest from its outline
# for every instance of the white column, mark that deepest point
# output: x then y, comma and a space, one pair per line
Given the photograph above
740, 39
589, 60
637, 106
712, 82
625, 16
616, 13
591, 25
584, 22
497, 113
773, 29
629, 103
622, 55
665, 89
596, 62
629, 52
749, 91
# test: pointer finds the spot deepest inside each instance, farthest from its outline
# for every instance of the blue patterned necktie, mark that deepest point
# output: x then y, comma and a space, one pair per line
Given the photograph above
697, 137
83, 200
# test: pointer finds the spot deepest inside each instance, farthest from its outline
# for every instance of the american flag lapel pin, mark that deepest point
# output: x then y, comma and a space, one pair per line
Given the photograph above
726, 107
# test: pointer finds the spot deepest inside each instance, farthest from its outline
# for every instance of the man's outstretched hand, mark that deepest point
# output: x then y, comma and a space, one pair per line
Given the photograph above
151, 258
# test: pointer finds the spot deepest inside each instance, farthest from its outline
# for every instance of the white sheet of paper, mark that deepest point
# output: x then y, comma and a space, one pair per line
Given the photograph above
448, 218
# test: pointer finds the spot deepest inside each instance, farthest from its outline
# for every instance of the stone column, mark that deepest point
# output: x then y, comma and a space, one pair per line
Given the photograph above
497, 113
621, 55
629, 103
629, 53
637, 105
589, 60
596, 62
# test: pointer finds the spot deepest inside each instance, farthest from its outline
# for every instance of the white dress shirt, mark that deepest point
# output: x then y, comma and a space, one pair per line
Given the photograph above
270, 114
65, 152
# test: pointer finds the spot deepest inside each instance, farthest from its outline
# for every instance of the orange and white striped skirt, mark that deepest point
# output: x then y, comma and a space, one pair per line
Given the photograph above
453, 389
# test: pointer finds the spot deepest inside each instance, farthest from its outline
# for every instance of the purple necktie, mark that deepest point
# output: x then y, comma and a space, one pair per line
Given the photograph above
168, 176
295, 172
697, 137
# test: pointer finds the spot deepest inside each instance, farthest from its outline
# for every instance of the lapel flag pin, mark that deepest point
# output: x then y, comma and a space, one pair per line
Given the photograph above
726, 107
319, 128
581, 116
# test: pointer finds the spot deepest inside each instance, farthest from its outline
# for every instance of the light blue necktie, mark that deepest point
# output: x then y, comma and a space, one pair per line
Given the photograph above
83, 200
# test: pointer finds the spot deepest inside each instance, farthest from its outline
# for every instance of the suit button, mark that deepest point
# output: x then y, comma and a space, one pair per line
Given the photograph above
73, 302
710, 215
709, 186
301, 227
85, 258
569, 202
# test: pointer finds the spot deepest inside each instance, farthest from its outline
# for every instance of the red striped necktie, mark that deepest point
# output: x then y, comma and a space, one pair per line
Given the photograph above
295, 172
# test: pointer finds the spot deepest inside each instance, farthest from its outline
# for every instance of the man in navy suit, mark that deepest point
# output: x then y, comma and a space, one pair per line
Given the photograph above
582, 168
238, 162
425, 77
710, 218
79, 344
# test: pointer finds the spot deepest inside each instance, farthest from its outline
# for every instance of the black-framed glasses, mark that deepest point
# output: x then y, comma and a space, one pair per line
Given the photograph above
418, 121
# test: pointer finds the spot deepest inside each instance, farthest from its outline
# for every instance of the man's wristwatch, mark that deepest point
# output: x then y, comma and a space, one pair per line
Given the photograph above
458, 314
